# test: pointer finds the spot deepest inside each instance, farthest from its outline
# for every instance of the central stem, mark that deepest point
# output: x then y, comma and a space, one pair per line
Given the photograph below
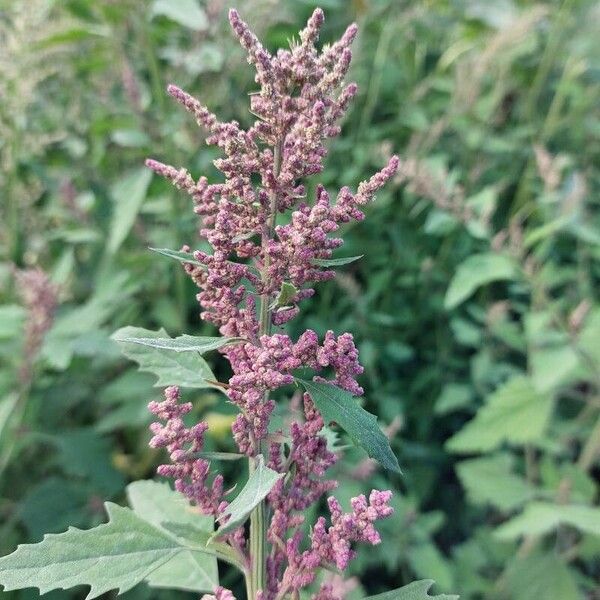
258, 517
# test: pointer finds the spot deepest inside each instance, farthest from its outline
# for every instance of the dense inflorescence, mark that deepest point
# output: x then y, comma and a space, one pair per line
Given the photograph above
302, 96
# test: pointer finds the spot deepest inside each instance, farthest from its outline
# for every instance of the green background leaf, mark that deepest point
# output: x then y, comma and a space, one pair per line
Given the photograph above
128, 195
478, 270
515, 413
417, 590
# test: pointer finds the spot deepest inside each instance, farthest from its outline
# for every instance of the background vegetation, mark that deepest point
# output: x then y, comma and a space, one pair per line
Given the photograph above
475, 306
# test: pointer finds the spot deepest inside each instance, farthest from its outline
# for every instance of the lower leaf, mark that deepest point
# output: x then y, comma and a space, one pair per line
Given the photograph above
134, 546
417, 590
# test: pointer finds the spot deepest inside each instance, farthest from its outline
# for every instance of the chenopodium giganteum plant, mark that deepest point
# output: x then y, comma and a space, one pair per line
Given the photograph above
252, 282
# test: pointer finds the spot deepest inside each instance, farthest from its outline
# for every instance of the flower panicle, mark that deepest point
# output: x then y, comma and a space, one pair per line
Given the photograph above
301, 99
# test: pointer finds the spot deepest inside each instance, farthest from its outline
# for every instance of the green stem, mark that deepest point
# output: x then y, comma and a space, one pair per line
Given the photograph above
258, 518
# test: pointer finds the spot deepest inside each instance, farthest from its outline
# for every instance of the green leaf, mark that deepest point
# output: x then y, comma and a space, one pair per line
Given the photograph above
11, 320
439, 222
54, 504
83, 453
552, 359
219, 455
454, 396
184, 257
259, 484
189, 570
541, 576
341, 406
128, 195
172, 368
417, 590
116, 555
183, 343
286, 294
426, 560
515, 413
335, 262
490, 480
539, 518
184, 12
158, 504
130, 138
478, 270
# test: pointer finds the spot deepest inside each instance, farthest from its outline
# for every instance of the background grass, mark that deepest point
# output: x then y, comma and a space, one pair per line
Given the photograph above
475, 307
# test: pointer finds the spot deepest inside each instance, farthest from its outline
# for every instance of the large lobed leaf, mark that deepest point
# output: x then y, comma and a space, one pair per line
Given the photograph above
185, 369
190, 569
417, 590
117, 555
340, 406
132, 547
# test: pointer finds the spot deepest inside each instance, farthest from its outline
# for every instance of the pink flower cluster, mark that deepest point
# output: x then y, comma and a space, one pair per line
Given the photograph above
189, 472
261, 368
220, 594
284, 145
301, 98
331, 545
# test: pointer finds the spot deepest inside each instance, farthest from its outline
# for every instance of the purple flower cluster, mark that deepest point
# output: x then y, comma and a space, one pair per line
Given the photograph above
220, 594
301, 99
259, 369
331, 545
189, 472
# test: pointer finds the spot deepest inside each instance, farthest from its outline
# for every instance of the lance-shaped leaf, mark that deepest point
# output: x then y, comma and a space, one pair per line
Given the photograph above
117, 555
257, 487
417, 590
184, 257
208, 455
185, 369
183, 343
128, 195
340, 406
190, 569
335, 262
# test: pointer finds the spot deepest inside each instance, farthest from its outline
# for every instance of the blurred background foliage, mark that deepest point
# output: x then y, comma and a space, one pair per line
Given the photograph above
475, 306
